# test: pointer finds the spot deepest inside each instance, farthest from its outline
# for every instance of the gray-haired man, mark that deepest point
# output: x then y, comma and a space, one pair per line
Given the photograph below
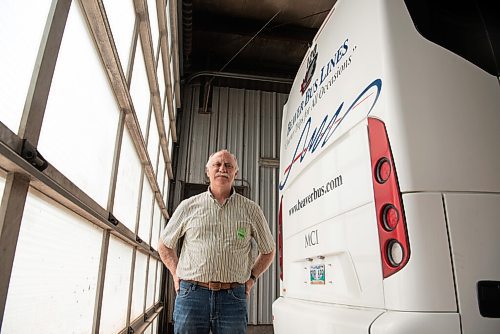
216, 270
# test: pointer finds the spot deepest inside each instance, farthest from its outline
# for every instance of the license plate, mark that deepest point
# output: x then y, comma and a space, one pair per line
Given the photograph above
317, 274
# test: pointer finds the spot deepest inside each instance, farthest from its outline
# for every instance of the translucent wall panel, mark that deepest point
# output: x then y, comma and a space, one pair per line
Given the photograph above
172, 75
2, 185
139, 89
146, 211
166, 118
155, 325
116, 286
170, 144
139, 285
155, 230
161, 78
149, 330
20, 43
160, 173
153, 141
153, 20
127, 183
79, 127
167, 188
150, 293
169, 26
121, 17
54, 277
158, 281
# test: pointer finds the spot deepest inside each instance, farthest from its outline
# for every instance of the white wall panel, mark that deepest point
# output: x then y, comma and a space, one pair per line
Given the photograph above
160, 172
150, 293
146, 211
161, 78
159, 266
155, 325
139, 89
153, 21
155, 230
20, 43
153, 142
116, 286
127, 183
138, 295
59, 270
2, 185
79, 128
121, 17
169, 26
53, 283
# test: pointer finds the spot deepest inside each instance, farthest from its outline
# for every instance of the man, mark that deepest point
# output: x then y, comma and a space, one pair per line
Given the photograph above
215, 270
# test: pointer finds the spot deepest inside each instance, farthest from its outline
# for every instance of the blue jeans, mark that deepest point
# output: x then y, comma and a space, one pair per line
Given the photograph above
199, 310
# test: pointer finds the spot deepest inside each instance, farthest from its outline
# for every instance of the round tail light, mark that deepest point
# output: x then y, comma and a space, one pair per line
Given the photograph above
382, 170
395, 253
390, 217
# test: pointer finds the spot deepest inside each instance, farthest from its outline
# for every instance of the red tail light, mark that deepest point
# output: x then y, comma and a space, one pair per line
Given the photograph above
280, 237
393, 237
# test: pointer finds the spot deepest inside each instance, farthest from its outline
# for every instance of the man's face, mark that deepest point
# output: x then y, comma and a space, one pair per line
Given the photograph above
221, 170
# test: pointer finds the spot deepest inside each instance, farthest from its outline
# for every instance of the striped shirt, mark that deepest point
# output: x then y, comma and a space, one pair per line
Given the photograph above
217, 243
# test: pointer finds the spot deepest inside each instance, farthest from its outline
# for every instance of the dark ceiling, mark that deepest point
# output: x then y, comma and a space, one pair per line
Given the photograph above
263, 37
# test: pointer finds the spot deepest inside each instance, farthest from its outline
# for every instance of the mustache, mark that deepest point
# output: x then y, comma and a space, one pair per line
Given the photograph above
222, 174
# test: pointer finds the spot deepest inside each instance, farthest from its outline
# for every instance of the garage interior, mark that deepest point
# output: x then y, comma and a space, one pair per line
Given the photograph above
161, 85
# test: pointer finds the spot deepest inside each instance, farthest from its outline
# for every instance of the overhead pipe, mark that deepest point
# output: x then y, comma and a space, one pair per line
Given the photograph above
242, 76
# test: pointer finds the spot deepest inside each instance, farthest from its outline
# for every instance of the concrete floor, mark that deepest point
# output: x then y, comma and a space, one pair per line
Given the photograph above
260, 329
251, 329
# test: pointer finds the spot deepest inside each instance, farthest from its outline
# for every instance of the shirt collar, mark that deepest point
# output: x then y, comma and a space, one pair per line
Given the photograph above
231, 194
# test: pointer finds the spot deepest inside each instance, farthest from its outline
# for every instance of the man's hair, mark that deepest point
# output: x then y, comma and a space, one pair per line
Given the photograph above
223, 151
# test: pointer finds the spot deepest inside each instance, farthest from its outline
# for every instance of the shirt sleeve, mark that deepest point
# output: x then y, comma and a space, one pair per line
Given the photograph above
174, 229
261, 232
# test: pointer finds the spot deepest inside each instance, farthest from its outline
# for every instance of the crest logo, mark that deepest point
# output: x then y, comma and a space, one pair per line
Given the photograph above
311, 67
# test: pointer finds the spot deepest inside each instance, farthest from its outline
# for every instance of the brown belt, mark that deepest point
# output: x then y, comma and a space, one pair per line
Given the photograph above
216, 286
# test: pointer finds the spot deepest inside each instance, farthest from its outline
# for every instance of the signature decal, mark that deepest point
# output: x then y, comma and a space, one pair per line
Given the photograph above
324, 132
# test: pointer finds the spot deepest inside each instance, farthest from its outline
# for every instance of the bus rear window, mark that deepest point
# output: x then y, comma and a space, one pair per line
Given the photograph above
470, 29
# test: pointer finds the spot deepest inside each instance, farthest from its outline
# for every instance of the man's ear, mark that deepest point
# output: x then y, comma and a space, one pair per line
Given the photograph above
207, 178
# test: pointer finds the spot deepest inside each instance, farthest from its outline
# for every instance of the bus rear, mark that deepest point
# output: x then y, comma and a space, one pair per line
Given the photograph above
390, 197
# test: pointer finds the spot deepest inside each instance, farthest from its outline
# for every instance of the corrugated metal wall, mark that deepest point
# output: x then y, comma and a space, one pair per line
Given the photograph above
246, 122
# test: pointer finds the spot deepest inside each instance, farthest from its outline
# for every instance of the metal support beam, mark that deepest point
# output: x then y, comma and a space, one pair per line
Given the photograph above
38, 92
166, 55
175, 51
11, 213
100, 282
147, 49
99, 25
55, 185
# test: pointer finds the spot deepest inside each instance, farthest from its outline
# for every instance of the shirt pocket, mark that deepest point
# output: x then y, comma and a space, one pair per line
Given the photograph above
239, 235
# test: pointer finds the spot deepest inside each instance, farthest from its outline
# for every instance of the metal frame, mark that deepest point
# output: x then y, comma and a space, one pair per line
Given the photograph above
16, 188
22, 174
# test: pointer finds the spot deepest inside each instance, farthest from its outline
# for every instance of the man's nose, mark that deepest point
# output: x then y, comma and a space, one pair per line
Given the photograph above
222, 168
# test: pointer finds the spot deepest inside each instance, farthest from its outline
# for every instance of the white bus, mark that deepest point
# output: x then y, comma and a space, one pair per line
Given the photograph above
390, 173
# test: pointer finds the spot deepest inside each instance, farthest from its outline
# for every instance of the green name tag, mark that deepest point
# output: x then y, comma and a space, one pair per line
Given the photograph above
242, 233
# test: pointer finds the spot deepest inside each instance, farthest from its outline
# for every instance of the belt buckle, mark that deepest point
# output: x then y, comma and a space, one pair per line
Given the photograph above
214, 286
